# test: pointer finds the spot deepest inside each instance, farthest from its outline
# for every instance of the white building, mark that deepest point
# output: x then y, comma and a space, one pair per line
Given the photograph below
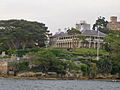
64, 40
82, 26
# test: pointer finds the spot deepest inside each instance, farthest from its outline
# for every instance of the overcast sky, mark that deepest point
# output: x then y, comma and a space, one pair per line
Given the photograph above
59, 13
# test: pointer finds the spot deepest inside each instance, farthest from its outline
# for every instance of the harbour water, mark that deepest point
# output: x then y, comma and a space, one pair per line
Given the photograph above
21, 84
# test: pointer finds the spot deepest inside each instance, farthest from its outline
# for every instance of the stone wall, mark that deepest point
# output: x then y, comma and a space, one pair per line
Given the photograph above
4, 64
3, 68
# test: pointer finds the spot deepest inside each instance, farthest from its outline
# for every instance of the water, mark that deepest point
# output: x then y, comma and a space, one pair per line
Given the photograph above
20, 84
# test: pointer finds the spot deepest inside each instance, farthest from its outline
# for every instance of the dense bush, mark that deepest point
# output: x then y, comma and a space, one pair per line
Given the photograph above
24, 66
85, 69
45, 61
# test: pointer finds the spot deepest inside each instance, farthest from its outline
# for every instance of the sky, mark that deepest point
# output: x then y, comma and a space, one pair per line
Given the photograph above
59, 14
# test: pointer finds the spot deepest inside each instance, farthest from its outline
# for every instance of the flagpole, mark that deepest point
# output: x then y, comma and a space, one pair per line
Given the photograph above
98, 44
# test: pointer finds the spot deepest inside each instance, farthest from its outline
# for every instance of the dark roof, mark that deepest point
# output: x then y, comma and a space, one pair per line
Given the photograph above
84, 32
59, 34
92, 33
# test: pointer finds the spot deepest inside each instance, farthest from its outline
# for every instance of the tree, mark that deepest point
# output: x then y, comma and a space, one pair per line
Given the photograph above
72, 66
115, 67
84, 69
45, 61
101, 25
23, 66
104, 66
22, 34
112, 45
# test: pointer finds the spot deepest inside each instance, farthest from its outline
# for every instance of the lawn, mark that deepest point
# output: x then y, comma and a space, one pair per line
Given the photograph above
63, 52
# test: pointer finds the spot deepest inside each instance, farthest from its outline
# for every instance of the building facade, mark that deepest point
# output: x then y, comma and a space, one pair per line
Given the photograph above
82, 26
63, 40
113, 24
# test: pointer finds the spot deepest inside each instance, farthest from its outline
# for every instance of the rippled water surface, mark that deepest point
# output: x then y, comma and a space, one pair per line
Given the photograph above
20, 84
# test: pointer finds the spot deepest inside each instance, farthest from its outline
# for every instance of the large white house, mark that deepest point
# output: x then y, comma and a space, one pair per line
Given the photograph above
66, 41
94, 38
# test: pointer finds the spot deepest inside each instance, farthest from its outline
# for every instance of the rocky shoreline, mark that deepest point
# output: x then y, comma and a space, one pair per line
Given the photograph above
48, 78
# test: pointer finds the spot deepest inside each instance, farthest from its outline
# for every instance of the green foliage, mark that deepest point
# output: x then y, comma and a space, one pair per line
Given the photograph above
112, 45
93, 69
104, 66
21, 34
20, 53
6, 56
73, 31
46, 61
23, 66
13, 64
62, 53
88, 52
74, 67
10, 52
101, 25
80, 36
85, 69
93, 74
57, 52
115, 67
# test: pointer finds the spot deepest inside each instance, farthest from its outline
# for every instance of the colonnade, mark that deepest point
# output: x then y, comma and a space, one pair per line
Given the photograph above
79, 44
